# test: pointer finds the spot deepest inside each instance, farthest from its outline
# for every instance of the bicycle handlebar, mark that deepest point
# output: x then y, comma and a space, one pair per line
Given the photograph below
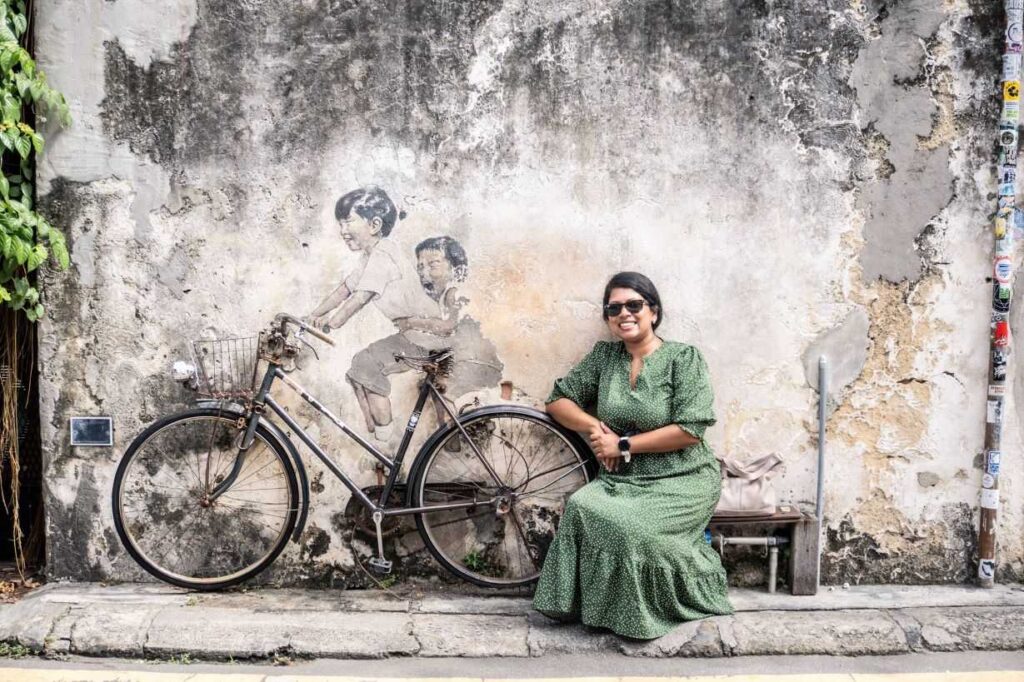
285, 317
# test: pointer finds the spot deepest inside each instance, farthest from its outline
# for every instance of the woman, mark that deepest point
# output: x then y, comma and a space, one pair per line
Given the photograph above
630, 553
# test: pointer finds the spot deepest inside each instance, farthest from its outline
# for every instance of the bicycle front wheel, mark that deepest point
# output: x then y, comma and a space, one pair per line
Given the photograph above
172, 522
515, 471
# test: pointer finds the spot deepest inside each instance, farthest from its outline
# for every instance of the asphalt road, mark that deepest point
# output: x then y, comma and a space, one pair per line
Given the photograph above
941, 667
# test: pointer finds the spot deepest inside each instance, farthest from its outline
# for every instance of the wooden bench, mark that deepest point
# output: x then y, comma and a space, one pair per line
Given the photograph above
802, 538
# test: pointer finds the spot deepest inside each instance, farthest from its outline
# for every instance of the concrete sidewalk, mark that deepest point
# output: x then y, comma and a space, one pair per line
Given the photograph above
149, 621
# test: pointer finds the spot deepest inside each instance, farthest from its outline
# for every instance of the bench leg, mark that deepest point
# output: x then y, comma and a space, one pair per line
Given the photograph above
803, 557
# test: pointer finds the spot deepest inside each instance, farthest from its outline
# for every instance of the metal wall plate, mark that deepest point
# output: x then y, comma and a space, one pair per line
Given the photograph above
92, 431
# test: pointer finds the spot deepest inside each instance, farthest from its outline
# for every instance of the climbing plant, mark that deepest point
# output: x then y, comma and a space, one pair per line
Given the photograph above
26, 238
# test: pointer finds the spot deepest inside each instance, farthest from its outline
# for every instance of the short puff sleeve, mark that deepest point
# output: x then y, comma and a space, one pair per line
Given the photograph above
692, 398
581, 382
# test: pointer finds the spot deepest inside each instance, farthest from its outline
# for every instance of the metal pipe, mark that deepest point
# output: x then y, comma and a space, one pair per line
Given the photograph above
767, 541
819, 501
1002, 293
819, 505
770, 542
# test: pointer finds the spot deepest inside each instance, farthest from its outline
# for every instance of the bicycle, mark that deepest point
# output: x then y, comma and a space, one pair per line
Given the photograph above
209, 497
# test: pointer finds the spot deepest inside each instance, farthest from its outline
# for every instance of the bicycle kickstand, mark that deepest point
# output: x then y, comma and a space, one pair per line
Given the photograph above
379, 564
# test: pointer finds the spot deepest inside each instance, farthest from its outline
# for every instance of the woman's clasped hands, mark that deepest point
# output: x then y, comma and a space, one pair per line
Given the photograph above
605, 444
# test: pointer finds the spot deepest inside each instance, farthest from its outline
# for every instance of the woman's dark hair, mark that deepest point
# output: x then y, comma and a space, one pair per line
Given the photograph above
452, 250
641, 285
368, 203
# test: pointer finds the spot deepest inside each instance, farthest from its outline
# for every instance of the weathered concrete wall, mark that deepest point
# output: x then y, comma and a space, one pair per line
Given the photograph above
797, 177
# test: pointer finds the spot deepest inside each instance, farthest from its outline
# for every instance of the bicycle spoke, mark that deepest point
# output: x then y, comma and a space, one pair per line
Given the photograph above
170, 470
487, 547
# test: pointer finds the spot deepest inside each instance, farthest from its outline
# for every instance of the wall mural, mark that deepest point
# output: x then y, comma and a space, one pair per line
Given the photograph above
419, 292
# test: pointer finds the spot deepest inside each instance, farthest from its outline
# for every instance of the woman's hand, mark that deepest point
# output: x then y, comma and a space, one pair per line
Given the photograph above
605, 444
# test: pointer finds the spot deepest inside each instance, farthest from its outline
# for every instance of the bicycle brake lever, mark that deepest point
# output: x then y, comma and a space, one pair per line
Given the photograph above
307, 344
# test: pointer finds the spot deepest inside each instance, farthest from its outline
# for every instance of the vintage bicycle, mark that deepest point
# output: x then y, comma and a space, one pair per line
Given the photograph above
209, 497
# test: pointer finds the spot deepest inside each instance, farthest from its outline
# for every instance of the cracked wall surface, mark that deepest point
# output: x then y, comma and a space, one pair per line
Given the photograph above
797, 177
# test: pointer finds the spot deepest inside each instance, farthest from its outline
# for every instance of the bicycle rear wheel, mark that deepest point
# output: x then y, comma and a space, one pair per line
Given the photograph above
527, 468
164, 514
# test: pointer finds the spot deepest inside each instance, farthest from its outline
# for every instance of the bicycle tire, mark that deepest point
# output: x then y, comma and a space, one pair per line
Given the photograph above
481, 544
220, 543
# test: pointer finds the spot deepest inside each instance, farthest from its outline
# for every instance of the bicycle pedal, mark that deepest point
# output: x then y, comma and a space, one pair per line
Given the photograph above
380, 566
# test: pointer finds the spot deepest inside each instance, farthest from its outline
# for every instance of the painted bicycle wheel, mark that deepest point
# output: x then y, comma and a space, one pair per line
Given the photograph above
174, 524
510, 470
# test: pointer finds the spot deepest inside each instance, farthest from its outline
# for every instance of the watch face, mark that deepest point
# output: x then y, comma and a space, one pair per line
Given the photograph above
624, 444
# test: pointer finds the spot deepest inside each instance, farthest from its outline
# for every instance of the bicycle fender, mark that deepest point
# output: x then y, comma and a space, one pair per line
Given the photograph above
293, 452
540, 415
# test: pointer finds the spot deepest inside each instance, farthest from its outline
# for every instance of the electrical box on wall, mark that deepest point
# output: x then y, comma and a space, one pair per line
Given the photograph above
92, 431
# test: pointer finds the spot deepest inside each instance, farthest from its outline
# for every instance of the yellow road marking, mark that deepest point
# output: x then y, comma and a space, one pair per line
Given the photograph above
10, 674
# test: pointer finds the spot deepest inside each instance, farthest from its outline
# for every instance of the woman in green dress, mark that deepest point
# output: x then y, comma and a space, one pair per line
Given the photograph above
630, 553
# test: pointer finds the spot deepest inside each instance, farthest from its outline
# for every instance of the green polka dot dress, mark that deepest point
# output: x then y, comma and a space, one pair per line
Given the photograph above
630, 553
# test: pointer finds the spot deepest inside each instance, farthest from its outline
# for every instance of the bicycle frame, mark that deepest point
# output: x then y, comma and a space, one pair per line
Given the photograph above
263, 399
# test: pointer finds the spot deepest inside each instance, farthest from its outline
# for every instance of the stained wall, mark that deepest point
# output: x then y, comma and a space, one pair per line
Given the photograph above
798, 178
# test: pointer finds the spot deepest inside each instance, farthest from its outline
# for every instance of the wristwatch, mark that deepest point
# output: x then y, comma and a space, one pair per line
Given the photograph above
624, 448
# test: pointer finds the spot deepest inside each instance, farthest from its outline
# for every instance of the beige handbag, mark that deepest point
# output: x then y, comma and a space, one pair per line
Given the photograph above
747, 488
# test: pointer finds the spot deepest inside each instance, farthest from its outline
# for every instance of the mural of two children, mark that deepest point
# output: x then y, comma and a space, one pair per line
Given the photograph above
422, 300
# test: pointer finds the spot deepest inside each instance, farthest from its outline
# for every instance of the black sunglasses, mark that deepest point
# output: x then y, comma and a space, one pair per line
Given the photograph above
634, 306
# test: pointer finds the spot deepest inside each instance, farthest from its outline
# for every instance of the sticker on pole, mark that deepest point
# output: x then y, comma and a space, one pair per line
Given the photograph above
1001, 334
1014, 34
992, 465
1011, 91
999, 360
1008, 137
994, 411
989, 498
1011, 67
987, 569
995, 390
1001, 300
1003, 268
988, 481
1010, 113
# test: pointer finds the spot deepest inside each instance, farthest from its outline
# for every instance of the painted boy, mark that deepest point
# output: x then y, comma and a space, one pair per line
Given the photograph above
366, 217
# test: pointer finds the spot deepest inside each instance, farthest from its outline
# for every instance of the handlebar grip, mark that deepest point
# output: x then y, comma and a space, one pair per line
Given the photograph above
309, 328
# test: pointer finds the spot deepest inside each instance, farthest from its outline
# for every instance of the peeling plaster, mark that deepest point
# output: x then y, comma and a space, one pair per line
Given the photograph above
915, 182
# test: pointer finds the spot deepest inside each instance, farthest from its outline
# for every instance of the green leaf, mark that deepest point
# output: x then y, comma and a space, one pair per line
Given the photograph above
4, 295
8, 56
11, 107
43, 229
19, 251
59, 249
36, 257
23, 145
37, 142
5, 187
20, 24
5, 245
22, 83
20, 287
39, 310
